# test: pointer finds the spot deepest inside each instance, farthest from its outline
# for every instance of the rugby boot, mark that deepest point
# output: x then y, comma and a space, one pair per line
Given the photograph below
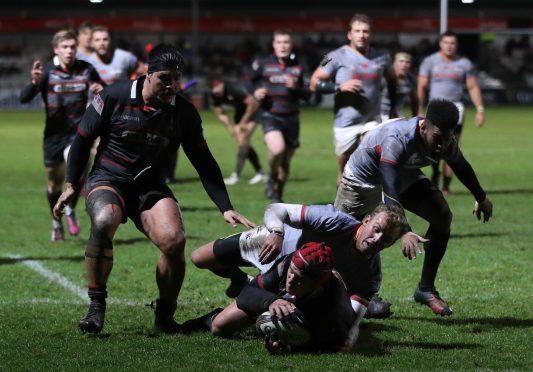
58, 235
93, 322
235, 287
73, 226
270, 187
377, 308
164, 318
202, 323
432, 299
259, 177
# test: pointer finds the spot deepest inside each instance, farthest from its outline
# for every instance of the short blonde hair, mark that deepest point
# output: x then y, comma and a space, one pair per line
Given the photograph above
63, 35
403, 55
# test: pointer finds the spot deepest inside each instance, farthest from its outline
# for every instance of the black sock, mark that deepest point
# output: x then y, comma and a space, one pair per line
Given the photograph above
436, 174
254, 159
435, 249
52, 198
241, 157
235, 274
97, 295
446, 183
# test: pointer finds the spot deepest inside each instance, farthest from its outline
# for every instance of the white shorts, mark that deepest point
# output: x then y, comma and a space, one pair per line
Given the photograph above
250, 244
346, 138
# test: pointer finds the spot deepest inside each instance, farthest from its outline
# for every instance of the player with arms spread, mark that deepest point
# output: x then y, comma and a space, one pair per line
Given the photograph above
137, 121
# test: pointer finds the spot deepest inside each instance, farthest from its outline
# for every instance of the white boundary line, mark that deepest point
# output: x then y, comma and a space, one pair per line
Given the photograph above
52, 276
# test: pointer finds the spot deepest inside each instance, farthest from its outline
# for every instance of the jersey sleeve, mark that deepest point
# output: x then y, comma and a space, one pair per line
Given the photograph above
97, 113
94, 76
326, 219
329, 64
392, 153
196, 149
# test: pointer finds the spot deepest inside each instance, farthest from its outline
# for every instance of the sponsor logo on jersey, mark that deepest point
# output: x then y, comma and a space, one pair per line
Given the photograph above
69, 87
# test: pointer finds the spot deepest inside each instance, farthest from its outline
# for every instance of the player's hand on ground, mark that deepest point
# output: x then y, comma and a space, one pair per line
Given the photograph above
271, 248
36, 72
274, 345
281, 308
480, 119
96, 88
260, 94
235, 218
411, 245
485, 208
63, 200
353, 86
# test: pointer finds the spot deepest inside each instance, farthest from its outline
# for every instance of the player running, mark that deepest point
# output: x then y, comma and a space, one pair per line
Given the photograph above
64, 84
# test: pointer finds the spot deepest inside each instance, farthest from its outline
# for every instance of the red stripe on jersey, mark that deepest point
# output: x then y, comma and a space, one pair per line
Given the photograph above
81, 132
389, 161
260, 281
377, 148
302, 214
107, 160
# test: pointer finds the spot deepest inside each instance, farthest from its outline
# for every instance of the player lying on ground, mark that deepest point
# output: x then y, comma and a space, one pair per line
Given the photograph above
304, 295
286, 227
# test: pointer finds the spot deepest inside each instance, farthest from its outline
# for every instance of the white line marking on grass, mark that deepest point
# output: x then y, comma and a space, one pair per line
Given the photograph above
51, 301
53, 277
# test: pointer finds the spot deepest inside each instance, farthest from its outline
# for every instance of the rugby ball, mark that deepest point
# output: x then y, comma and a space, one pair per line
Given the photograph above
291, 329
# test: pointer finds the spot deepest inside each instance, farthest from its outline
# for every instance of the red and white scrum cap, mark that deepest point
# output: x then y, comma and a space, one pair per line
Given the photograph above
314, 259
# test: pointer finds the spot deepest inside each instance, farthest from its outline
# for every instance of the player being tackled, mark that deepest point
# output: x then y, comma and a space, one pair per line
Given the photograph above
307, 302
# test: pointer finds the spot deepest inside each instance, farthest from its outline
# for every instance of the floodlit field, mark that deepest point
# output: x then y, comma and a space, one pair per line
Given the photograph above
486, 275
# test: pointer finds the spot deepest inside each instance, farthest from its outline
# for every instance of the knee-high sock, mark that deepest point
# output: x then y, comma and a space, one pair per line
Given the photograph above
254, 159
435, 249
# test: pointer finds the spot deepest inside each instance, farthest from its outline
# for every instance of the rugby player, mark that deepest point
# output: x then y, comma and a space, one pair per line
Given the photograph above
224, 92
278, 84
386, 166
300, 284
354, 73
64, 84
137, 122
113, 64
287, 226
443, 75
85, 32
406, 96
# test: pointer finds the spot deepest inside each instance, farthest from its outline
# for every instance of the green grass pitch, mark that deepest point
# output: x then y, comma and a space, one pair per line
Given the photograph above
486, 274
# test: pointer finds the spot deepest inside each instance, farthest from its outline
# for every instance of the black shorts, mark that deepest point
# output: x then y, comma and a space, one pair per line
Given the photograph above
137, 197
228, 252
288, 125
239, 113
53, 147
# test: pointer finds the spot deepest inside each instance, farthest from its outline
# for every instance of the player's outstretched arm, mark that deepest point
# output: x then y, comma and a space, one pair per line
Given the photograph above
232, 217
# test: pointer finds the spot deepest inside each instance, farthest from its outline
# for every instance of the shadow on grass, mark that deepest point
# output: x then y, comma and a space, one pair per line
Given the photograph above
184, 180
10, 261
495, 192
492, 323
477, 235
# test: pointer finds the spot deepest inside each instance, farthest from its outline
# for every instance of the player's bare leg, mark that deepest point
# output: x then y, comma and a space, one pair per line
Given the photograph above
276, 151
163, 224
104, 206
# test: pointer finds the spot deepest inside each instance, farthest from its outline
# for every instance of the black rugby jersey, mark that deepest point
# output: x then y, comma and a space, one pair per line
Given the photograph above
234, 94
135, 139
272, 74
64, 93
